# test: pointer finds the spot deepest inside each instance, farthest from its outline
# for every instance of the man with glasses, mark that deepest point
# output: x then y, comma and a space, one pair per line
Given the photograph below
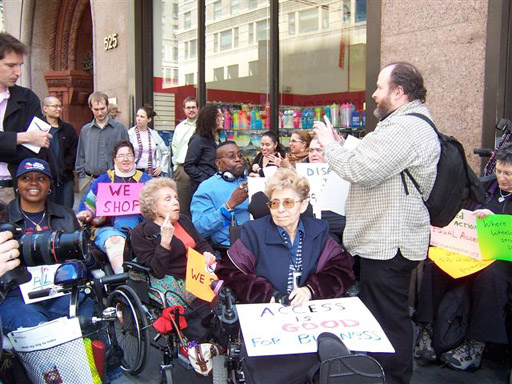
18, 106
96, 142
63, 146
182, 134
222, 200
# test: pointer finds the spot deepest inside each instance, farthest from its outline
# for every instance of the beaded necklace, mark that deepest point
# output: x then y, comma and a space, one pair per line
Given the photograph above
141, 148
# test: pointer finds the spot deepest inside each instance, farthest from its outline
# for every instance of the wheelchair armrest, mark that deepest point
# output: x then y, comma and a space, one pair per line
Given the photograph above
135, 267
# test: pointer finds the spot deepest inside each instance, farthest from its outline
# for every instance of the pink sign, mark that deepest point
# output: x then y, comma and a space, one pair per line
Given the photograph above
118, 199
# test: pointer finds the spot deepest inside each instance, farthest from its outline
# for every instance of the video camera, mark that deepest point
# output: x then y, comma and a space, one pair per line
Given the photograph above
43, 248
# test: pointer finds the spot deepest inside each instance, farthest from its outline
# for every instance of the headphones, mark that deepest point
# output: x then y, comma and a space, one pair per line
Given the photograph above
228, 176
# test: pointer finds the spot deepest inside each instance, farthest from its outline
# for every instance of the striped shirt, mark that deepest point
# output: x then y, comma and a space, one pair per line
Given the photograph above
381, 218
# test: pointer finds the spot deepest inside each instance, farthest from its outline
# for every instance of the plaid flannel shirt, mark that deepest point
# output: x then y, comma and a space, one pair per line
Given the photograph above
381, 218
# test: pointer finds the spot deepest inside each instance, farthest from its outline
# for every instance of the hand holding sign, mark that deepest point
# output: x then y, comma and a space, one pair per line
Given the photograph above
166, 233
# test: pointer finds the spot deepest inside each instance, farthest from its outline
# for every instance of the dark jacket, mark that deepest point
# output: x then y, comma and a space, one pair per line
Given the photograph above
60, 218
68, 143
145, 240
22, 106
258, 263
200, 160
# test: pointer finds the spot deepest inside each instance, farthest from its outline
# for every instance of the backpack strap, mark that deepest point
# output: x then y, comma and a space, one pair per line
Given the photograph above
406, 171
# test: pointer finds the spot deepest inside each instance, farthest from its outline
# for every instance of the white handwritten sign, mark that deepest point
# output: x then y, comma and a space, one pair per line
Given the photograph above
272, 329
459, 236
42, 278
328, 191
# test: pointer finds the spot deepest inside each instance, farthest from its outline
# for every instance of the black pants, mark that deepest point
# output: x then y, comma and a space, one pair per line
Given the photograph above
385, 291
489, 290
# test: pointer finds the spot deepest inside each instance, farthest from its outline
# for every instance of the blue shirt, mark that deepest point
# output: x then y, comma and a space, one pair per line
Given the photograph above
209, 215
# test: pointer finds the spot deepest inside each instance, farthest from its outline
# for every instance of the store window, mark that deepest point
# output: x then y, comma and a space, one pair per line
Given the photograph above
322, 60
322, 66
237, 79
174, 59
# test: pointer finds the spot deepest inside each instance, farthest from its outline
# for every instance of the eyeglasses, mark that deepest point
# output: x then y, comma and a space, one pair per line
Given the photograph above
190, 107
56, 106
296, 141
233, 156
287, 203
128, 156
319, 150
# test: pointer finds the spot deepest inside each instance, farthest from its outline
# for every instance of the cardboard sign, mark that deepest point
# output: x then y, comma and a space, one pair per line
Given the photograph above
328, 191
272, 329
455, 264
495, 237
459, 236
118, 199
42, 278
199, 276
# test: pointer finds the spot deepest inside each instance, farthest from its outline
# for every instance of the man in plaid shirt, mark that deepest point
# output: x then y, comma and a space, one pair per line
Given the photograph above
387, 228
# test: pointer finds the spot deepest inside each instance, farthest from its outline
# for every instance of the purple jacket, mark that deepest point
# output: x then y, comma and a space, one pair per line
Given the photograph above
257, 263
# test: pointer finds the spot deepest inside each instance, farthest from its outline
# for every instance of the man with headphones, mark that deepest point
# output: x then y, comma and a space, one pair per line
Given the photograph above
222, 201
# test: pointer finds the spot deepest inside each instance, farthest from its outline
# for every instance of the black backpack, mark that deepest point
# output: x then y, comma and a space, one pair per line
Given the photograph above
455, 184
452, 319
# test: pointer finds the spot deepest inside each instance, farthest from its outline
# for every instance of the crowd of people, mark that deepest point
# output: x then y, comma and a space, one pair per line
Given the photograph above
284, 251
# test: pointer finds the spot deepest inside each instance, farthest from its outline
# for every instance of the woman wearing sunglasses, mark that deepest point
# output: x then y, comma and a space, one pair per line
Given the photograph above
280, 254
285, 256
299, 144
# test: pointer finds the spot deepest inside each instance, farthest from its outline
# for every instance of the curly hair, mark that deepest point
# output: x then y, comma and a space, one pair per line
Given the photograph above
148, 192
409, 78
207, 121
287, 178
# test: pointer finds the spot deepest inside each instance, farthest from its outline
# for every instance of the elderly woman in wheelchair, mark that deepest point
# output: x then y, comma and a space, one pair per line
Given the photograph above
288, 258
162, 240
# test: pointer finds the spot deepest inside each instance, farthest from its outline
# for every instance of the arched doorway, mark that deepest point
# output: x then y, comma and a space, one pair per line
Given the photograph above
70, 77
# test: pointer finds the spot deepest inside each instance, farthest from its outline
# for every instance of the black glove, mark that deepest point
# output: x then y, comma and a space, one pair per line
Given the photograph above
281, 298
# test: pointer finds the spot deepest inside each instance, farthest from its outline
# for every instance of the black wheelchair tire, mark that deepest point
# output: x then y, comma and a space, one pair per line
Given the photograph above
220, 372
132, 334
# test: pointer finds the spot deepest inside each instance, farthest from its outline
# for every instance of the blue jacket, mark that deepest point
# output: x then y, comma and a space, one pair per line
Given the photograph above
257, 263
209, 216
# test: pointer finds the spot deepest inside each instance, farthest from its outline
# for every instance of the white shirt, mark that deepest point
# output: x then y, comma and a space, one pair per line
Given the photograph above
182, 134
4, 99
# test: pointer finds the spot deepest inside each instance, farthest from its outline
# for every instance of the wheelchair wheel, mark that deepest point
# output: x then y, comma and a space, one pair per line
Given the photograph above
220, 372
130, 331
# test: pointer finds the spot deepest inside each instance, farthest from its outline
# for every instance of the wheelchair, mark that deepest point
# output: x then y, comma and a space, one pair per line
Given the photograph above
333, 363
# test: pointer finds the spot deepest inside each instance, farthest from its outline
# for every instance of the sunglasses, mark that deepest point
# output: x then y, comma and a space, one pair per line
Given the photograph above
296, 141
287, 203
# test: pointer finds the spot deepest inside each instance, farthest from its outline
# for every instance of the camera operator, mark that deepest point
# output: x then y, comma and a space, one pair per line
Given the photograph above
34, 212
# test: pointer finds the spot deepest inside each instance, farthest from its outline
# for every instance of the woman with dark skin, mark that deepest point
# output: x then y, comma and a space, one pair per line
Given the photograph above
200, 160
35, 213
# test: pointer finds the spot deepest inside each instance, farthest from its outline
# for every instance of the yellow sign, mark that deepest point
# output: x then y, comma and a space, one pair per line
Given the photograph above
199, 276
455, 264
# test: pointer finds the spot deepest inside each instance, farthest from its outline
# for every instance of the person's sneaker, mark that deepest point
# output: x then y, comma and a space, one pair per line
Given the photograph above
467, 356
424, 349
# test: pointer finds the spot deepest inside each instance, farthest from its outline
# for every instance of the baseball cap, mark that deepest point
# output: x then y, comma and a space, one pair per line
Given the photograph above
33, 164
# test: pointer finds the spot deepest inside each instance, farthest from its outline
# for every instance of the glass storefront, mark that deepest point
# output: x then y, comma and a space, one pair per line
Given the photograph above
322, 63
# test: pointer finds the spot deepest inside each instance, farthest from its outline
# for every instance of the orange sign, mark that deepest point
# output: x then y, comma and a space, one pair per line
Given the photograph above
199, 276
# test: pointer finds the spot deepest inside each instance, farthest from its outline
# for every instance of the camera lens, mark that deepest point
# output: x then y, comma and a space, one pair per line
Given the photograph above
53, 247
